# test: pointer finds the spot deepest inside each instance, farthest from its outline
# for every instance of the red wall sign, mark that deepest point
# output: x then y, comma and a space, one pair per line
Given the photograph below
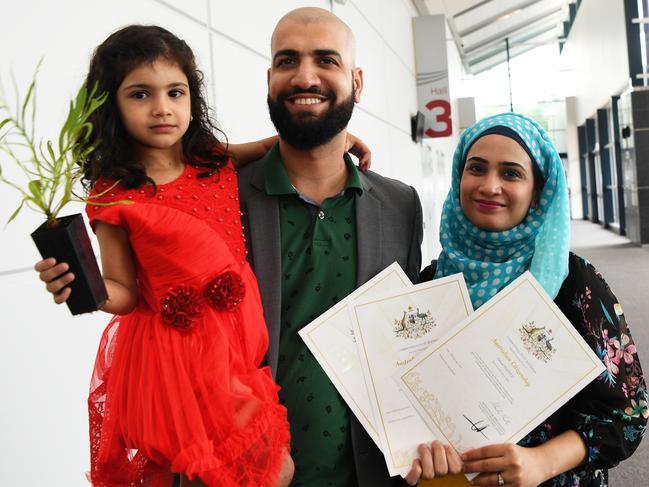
440, 116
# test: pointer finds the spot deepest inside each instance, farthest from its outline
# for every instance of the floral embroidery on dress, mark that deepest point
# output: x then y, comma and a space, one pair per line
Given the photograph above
611, 434
225, 291
181, 305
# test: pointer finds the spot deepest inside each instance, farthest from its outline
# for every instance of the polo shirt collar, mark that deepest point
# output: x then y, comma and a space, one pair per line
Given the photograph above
277, 182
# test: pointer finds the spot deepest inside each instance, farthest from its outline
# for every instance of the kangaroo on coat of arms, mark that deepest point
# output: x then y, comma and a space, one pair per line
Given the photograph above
414, 324
537, 341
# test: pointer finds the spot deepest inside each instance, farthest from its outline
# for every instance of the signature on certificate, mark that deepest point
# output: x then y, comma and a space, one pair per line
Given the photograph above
478, 426
498, 409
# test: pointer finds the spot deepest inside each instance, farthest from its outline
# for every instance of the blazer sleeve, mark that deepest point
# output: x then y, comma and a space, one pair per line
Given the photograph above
414, 254
610, 414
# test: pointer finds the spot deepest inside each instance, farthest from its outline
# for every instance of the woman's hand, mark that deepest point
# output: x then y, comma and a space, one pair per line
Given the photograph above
436, 460
517, 466
55, 277
356, 146
525, 467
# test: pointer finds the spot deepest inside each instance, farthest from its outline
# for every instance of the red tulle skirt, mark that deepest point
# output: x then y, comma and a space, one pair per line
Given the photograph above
164, 401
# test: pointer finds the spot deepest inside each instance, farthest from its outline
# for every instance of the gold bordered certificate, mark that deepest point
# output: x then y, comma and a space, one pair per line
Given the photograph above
331, 340
501, 372
390, 331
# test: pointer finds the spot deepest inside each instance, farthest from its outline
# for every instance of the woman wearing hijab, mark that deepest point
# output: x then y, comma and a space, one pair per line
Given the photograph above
507, 212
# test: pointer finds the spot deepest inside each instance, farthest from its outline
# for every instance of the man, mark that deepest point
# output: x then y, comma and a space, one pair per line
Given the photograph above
316, 229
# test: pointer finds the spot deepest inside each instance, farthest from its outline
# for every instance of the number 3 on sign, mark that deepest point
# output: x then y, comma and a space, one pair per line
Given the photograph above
441, 119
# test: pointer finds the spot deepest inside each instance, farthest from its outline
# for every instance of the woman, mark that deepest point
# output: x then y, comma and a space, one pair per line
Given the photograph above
507, 212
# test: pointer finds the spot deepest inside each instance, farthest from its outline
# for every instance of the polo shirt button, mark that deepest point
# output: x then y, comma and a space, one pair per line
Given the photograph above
321, 215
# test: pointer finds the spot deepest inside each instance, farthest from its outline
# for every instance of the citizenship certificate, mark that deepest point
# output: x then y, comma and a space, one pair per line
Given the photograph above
390, 330
330, 338
502, 371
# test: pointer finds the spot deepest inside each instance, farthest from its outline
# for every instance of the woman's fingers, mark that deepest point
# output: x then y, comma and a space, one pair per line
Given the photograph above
428, 465
439, 459
486, 479
485, 459
453, 459
414, 474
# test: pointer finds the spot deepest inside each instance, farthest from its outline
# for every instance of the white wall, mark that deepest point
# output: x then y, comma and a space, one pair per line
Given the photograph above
437, 154
572, 143
46, 357
596, 56
596, 67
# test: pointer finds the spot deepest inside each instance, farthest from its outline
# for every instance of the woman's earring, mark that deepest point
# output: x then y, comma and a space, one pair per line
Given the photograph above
535, 198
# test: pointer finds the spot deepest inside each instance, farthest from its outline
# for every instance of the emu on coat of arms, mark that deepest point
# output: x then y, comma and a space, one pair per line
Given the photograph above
537, 341
414, 324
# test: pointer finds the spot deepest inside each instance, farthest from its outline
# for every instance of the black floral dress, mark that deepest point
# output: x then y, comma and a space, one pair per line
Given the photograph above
610, 414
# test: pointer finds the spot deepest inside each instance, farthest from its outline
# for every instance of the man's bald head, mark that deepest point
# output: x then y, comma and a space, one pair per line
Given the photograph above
314, 15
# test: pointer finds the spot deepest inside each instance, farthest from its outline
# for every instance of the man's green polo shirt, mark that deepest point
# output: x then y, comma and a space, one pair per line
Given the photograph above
318, 269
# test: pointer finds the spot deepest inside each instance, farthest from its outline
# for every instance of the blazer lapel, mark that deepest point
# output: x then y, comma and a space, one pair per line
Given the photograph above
368, 233
265, 243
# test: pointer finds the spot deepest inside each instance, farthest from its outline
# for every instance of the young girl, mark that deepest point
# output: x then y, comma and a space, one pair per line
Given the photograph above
507, 212
177, 385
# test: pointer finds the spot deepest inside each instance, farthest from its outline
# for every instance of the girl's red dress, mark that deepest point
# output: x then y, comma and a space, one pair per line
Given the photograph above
177, 385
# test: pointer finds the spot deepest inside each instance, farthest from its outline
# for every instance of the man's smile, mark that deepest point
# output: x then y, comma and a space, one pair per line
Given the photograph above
306, 99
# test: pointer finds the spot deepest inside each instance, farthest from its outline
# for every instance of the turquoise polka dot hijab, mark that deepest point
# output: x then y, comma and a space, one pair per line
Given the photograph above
490, 260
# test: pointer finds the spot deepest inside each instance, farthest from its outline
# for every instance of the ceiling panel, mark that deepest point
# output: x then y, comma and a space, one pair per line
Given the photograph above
480, 27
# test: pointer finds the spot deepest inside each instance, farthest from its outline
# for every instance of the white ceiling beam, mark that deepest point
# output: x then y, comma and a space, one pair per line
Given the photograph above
502, 35
421, 7
496, 17
512, 44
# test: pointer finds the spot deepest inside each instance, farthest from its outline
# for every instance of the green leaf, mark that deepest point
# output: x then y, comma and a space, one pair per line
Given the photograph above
36, 188
16, 211
50, 150
28, 97
608, 316
51, 174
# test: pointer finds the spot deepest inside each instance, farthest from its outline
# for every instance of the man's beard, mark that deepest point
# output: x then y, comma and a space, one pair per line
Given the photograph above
306, 131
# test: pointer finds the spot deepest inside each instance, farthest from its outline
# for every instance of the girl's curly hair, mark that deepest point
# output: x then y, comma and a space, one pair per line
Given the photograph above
111, 62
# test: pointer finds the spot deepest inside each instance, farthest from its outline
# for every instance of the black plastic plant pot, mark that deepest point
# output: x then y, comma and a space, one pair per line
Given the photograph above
69, 242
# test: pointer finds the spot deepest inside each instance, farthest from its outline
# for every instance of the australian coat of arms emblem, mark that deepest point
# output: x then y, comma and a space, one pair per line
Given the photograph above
414, 324
537, 340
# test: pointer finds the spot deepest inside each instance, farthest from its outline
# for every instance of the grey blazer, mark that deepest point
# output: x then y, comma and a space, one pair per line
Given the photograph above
388, 227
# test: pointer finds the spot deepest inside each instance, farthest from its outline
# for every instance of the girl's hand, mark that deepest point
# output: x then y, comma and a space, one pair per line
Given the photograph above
437, 460
288, 469
247, 152
518, 466
55, 277
356, 146
251, 151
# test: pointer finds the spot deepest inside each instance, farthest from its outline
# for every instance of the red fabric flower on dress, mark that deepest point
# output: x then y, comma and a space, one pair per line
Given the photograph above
180, 306
225, 291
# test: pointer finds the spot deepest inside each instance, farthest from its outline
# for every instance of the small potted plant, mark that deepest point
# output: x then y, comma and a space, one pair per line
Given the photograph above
52, 170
